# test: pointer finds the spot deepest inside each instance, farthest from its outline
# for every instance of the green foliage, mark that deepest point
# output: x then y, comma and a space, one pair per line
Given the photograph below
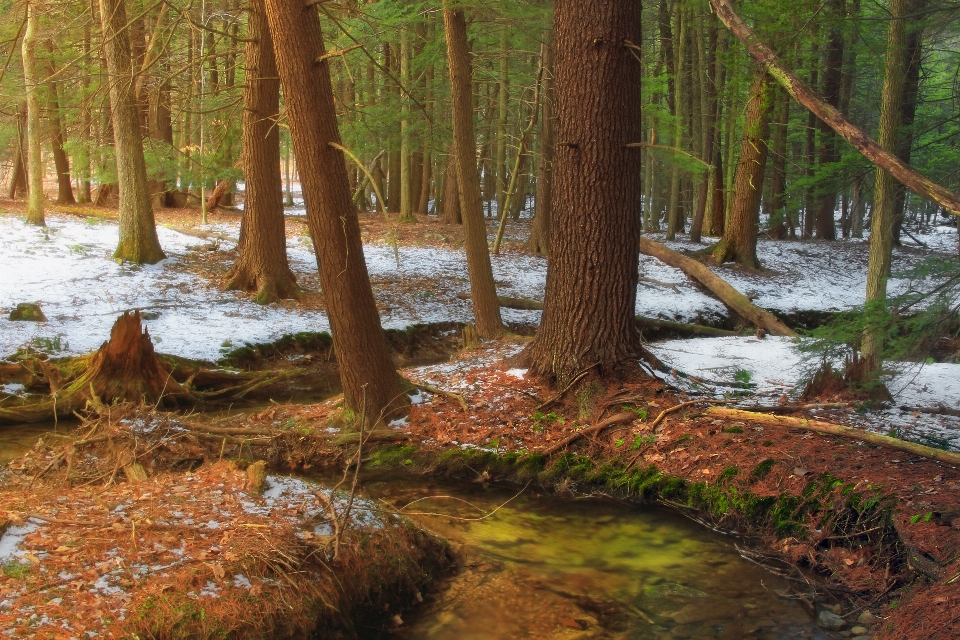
641, 440
640, 412
16, 570
921, 517
742, 376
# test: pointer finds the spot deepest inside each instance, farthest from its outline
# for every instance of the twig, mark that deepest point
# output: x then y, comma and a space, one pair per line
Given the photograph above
600, 426
575, 380
483, 517
666, 412
662, 284
440, 392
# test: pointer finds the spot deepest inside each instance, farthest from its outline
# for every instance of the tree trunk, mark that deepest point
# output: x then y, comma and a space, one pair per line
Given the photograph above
592, 274
501, 142
829, 154
539, 241
406, 170
35, 199
370, 381
18, 177
262, 249
739, 242
451, 192
911, 97
674, 208
138, 231
60, 159
486, 309
883, 216
779, 217
883, 158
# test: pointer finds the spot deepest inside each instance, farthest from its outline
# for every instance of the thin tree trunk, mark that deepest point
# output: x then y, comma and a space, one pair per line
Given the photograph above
708, 97
590, 301
911, 96
60, 159
829, 154
539, 241
18, 177
370, 381
502, 115
779, 217
486, 309
138, 231
739, 242
35, 200
884, 192
810, 197
674, 208
406, 174
86, 123
262, 249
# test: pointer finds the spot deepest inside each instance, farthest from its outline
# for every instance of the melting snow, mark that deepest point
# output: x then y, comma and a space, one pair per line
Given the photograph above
11, 540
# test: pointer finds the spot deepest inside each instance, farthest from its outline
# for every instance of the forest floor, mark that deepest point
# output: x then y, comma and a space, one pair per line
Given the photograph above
189, 315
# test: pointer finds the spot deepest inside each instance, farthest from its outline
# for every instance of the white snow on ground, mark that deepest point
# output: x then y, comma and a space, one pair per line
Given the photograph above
11, 539
776, 368
67, 267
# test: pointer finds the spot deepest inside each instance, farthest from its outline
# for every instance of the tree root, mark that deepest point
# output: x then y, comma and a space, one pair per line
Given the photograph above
626, 416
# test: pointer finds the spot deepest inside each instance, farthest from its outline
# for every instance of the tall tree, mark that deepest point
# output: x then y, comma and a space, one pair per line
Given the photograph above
35, 172
138, 230
483, 291
588, 316
60, 159
262, 262
829, 151
539, 241
369, 378
739, 241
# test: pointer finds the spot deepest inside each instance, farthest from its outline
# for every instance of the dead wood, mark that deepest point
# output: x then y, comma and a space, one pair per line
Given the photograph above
218, 192
677, 407
818, 426
718, 286
936, 411
626, 416
377, 435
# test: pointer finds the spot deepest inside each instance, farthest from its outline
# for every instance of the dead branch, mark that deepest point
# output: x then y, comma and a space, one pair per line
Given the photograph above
818, 426
626, 416
560, 393
688, 403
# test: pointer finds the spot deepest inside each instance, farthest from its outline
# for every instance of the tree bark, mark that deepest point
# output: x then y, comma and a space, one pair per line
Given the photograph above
406, 169
18, 177
883, 158
35, 172
539, 241
486, 310
829, 154
262, 249
451, 212
371, 385
592, 275
780, 222
730, 296
60, 159
138, 231
739, 241
883, 215
911, 97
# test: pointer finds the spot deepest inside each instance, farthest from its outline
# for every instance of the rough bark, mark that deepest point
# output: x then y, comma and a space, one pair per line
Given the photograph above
591, 292
138, 231
370, 381
451, 212
60, 159
35, 198
730, 296
780, 222
262, 249
885, 159
486, 310
18, 177
883, 215
739, 241
539, 241
829, 153
911, 98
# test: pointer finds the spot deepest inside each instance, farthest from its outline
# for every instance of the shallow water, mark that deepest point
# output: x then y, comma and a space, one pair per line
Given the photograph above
17, 439
546, 567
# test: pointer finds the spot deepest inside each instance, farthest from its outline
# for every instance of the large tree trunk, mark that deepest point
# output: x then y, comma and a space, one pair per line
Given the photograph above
739, 242
370, 381
884, 192
829, 154
486, 309
138, 231
591, 293
60, 159
883, 158
262, 261
35, 199
539, 241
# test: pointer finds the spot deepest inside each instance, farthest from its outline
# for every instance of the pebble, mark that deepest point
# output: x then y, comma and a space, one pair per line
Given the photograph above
866, 618
830, 621
859, 631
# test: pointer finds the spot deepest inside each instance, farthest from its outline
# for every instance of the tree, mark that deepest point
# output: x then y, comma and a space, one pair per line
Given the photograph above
829, 154
486, 309
138, 230
539, 241
262, 261
588, 316
369, 378
739, 241
60, 159
35, 172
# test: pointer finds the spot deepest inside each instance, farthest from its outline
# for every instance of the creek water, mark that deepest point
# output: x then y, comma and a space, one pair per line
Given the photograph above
542, 566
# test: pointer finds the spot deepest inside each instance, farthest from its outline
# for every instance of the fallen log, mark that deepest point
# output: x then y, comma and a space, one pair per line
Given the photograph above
720, 287
818, 426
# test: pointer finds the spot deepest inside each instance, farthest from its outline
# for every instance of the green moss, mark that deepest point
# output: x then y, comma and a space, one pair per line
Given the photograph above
762, 470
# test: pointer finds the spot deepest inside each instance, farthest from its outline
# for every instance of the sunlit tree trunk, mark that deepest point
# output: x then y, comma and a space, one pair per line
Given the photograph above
35, 199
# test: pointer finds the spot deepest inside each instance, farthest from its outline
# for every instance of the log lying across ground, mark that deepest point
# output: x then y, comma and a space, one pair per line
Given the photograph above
720, 287
818, 426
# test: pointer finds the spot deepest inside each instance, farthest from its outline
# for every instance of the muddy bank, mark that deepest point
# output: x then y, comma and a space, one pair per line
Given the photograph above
167, 541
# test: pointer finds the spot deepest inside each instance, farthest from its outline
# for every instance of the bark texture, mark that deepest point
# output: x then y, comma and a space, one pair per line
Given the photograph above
592, 274
539, 241
60, 159
262, 263
138, 230
35, 198
486, 309
370, 381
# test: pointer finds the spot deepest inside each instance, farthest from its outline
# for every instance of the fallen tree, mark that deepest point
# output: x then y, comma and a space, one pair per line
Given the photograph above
720, 288
819, 426
831, 116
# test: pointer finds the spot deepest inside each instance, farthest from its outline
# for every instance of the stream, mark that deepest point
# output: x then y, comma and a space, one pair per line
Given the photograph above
544, 566
537, 565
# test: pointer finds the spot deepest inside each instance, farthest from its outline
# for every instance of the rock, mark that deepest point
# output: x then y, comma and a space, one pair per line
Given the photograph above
866, 618
29, 312
831, 621
859, 631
